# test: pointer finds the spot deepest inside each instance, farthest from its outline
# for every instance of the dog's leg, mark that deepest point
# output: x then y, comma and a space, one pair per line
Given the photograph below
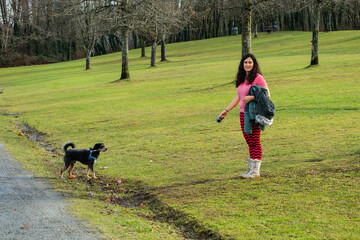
91, 167
72, 165
62, 172
87, 172
93, 172
66, 165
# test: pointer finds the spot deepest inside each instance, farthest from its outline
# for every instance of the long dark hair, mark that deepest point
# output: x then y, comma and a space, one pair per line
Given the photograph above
241, 74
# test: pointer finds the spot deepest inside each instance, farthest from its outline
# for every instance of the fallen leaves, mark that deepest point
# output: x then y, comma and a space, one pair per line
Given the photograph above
144, 216
112, 199
24, 227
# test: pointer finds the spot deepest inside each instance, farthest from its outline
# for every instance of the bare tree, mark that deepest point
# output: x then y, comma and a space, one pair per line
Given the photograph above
122, 18
86, 16
30, 32
178, 16
246, 7
36, 31
246, 27
124, 28
247, 12
315, 7
161, 19
5, 26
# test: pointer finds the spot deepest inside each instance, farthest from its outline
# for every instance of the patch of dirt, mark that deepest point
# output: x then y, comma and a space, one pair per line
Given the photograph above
132, 194
35, 136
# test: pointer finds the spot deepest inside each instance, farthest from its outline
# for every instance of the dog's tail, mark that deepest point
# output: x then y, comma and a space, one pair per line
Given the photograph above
68, 144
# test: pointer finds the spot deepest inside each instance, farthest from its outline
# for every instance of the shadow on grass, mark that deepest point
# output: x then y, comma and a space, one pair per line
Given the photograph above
134, 194
210, 88
121, 80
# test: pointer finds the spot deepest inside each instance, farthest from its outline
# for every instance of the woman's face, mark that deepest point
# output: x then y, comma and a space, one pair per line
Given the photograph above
248, 64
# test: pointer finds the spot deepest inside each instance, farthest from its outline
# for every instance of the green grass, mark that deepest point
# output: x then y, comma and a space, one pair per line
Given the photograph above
172, 156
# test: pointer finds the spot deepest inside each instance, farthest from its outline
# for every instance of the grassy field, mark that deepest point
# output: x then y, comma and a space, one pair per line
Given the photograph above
171, 171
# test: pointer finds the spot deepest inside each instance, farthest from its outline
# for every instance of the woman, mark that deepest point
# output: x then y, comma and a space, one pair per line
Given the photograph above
248, 74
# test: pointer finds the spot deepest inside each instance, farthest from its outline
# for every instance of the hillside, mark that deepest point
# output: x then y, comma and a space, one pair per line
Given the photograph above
171, 168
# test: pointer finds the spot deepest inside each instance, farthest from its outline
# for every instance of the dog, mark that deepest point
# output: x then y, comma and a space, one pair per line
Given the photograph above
86, 157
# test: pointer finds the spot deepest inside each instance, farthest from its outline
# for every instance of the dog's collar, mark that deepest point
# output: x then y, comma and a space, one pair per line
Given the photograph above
92, 157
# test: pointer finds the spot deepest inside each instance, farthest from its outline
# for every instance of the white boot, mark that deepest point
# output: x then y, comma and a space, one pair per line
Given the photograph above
254, 169
248, 166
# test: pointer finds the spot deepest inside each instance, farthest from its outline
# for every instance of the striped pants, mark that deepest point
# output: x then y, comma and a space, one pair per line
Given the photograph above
253, 140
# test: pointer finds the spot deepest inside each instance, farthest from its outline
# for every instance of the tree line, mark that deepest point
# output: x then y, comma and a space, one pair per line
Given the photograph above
45, 31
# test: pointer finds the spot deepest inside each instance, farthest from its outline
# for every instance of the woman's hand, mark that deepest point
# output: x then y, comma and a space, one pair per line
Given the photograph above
223, 114
248, 99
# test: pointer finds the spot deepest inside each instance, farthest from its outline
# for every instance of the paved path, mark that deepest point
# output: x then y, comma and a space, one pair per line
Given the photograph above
29, 209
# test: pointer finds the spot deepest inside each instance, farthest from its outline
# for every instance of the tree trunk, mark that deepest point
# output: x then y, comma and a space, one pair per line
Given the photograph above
163, 55
255, 32
88, 53
281, 22
4, 34
326, 14
125, 74
153, 53
315, 35
143, 47
309, 18
334, 18
246, 28
292, 22
70, 52
303, 20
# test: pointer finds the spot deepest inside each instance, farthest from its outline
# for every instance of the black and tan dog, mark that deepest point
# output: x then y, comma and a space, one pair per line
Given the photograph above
86, 157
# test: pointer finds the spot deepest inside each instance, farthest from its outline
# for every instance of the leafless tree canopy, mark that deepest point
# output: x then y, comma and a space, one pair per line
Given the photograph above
42, 31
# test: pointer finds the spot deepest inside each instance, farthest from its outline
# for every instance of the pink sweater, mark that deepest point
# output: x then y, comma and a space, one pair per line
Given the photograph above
244, 88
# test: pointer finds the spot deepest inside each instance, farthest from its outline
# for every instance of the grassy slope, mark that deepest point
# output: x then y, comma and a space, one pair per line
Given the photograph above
161, 131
